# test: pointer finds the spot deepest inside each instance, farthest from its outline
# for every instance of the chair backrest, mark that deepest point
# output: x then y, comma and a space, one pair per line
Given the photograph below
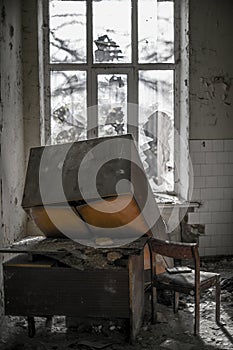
175, 250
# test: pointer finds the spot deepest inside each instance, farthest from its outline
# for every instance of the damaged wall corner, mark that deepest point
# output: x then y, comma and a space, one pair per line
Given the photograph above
211, 69
12, 135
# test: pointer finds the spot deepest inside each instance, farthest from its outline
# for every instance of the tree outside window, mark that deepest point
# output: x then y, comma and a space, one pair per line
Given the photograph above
109, 54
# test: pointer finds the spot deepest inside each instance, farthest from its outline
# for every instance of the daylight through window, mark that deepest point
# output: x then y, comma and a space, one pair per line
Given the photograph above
111, 54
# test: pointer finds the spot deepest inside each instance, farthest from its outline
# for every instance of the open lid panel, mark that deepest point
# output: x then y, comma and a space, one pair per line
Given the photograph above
91, 189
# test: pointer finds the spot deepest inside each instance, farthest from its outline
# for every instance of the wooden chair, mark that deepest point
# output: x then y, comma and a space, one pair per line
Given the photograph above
182, 282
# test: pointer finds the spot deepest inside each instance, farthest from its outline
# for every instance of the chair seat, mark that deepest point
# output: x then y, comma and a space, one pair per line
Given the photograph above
184, 281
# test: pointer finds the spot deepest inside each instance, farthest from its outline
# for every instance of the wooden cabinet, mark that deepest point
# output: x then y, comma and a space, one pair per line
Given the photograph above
43, 288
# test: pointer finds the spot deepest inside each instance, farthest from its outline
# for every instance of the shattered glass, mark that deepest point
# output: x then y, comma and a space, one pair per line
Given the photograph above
156, 128
68, 106
112, 43
112, 31
112, 104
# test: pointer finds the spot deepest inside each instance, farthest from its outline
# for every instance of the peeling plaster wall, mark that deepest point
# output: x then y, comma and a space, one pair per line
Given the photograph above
12, 133
13, 164
211, 122
211, 69
30, 75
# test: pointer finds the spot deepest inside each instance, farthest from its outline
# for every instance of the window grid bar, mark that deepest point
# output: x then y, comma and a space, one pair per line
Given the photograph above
47, 88
134, 31
177, 24
93, 69
89, 30
92, 110
142, 66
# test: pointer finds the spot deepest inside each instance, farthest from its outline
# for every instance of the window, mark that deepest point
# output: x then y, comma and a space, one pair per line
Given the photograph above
112, 67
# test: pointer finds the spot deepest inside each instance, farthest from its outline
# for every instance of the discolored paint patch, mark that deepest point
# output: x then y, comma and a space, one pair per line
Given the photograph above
11, 31
3, 14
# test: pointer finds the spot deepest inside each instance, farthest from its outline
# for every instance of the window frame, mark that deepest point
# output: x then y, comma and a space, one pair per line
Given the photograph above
179, 67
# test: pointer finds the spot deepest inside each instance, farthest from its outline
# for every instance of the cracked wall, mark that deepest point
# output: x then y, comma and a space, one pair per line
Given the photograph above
211, 69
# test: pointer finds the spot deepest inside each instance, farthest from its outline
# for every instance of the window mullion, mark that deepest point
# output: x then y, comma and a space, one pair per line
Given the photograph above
92, 115
44, 64
132, 126
134, 31
89, 40
92, 121
132, 112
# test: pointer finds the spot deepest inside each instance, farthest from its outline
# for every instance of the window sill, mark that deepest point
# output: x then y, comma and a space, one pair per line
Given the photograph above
169, 201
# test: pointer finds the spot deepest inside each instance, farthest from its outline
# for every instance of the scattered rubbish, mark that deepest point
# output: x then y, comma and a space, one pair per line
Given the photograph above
176, 345
112, 256
104, 241
96, 344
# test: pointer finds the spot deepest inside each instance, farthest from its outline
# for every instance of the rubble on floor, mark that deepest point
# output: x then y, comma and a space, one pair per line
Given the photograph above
171, 331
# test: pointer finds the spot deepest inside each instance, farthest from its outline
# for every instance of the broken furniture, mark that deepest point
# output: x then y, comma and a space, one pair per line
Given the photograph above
97, 285
84, 279
180, 281
91, 189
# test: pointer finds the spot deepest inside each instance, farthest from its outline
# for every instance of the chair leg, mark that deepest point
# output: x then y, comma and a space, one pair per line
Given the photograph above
197, 313
31, 327
154, 307
176, 296
217, 299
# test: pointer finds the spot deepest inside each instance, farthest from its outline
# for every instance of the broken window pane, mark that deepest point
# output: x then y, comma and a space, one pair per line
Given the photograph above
155, 31
156, 127
68, 106
112, 31
112, 104
67, 31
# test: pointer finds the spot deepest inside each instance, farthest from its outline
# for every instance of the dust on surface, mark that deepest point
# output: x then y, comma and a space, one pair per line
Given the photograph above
171, 332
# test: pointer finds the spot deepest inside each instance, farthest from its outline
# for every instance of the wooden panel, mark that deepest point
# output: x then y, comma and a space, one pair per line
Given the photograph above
26, 261
173, 249
147, 262
136, 285
66, 291
66, 219
60, 165
109, 175
109, 214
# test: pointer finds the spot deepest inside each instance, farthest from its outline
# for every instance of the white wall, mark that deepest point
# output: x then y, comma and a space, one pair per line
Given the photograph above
211, 121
